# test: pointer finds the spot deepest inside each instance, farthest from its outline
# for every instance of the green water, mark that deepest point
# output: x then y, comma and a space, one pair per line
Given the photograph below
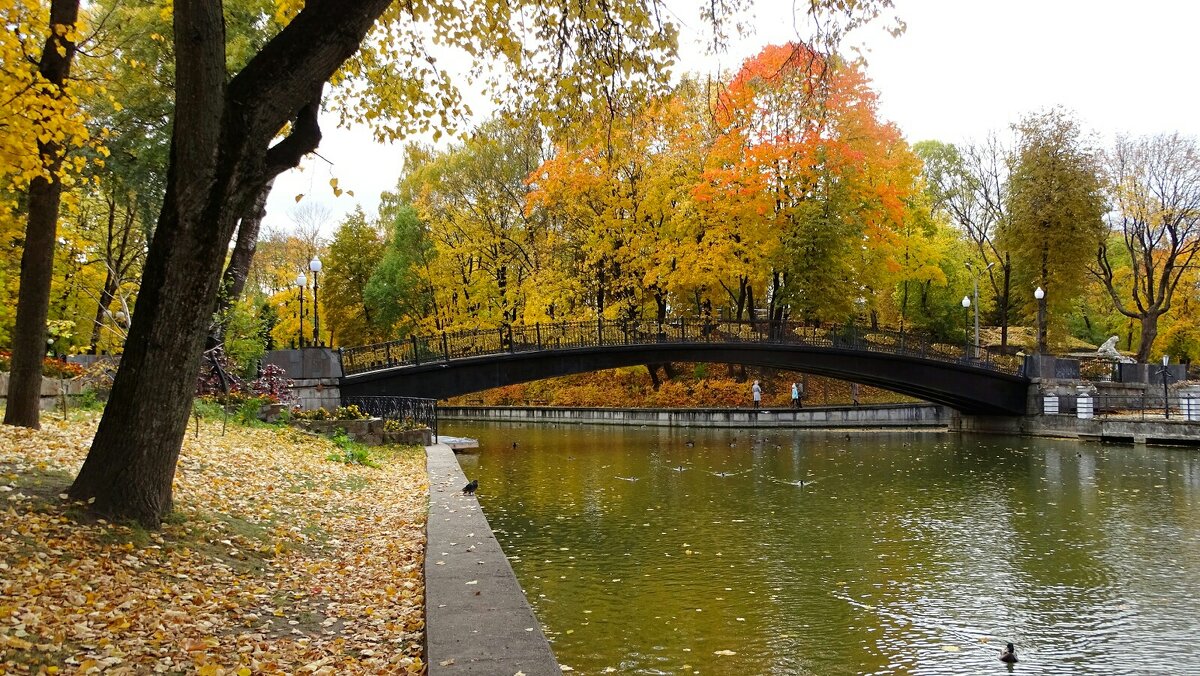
902, 553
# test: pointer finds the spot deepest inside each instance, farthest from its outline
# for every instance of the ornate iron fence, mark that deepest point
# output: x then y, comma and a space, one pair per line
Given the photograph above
446, 346
418, 410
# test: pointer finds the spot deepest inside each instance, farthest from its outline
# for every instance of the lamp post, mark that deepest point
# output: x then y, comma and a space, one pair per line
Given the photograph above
1041, 319
975, 298
1166, 373
315, 266
301, 281
966, 303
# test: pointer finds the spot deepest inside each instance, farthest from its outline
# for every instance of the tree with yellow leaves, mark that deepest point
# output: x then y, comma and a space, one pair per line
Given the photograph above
33, 146
224, 150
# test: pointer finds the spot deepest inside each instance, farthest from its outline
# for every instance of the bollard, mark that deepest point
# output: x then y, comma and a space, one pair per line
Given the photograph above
1050, 404
1083, 406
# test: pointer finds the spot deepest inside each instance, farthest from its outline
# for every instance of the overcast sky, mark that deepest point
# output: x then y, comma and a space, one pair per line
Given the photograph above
962, 69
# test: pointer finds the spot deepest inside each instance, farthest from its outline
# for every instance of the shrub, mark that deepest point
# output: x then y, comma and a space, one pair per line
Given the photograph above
89, 400
273, 384
51, 367
350, 452
351, 412
403, 425
207, 407
247, 411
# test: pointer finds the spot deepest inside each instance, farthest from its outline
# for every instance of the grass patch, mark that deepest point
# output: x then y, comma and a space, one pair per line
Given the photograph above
350, 452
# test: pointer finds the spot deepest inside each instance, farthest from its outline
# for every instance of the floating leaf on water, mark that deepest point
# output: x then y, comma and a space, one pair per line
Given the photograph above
724, 653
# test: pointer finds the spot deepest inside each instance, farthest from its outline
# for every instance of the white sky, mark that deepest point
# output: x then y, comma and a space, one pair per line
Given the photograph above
963, 68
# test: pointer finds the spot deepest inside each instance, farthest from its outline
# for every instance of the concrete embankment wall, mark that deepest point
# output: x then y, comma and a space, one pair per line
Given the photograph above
1118, 430
905, 415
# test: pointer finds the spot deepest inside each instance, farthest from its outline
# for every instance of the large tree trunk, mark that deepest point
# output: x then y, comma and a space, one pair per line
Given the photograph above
1149, 334
37, 258
220, 158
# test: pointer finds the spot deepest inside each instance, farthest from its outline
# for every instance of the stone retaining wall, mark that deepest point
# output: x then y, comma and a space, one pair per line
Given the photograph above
1170, 432
368, 432
903, 415
52, 391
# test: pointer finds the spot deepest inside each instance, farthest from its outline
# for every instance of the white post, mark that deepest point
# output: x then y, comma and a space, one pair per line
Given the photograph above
1083, 407
1050, 404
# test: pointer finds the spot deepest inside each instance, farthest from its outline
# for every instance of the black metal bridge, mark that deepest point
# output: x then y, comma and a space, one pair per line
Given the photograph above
454, 363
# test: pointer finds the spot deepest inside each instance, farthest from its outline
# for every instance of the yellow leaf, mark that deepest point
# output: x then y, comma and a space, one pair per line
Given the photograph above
299, 197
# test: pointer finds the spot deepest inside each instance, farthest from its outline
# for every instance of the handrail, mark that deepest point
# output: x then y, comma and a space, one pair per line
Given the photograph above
447, 346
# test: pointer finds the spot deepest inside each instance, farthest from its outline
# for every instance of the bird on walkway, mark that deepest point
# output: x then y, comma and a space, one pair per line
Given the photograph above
469, 489
1009, 654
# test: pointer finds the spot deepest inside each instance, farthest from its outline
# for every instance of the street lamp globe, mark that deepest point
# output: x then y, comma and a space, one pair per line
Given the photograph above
315, 264
1038, 293
1166, 358
301, 280
966, 302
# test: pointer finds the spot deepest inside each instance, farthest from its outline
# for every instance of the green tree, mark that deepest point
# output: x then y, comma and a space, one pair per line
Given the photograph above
1056, 209
400, 290
44, 197
970, 186
354, 254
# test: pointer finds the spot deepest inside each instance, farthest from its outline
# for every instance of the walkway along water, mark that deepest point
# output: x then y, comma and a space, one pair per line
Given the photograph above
477, 620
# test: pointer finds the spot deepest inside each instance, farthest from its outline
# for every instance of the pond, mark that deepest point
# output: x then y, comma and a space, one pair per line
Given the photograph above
699, 551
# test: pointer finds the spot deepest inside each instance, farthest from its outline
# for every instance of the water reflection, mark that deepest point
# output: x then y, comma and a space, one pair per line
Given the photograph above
665, 550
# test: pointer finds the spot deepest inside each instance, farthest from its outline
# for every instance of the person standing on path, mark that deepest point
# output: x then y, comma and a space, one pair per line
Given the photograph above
796, 393
854, 393
756, 392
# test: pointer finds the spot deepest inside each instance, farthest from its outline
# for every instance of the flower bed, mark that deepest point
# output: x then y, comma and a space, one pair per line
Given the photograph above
370, 431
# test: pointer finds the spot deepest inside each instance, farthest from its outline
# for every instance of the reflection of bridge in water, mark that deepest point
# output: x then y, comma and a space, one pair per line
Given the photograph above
454, 363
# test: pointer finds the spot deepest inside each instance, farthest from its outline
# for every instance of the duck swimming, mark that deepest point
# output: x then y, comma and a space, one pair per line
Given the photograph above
1009, 654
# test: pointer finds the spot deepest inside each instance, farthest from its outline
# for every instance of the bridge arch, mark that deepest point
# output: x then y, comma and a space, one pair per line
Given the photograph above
966, 385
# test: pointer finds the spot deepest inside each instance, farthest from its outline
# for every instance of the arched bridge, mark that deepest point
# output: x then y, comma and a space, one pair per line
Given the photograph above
455, 363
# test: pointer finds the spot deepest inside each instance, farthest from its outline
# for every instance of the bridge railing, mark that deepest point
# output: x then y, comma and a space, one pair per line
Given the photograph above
447, 346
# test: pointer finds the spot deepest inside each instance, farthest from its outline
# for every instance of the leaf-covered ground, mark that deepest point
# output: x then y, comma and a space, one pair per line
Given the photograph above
276, 560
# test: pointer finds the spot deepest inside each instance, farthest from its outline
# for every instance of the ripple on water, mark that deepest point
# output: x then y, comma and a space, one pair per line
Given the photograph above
906, 554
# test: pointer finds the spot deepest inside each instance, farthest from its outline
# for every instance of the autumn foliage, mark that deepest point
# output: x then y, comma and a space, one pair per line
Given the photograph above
692, 386
276, 561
